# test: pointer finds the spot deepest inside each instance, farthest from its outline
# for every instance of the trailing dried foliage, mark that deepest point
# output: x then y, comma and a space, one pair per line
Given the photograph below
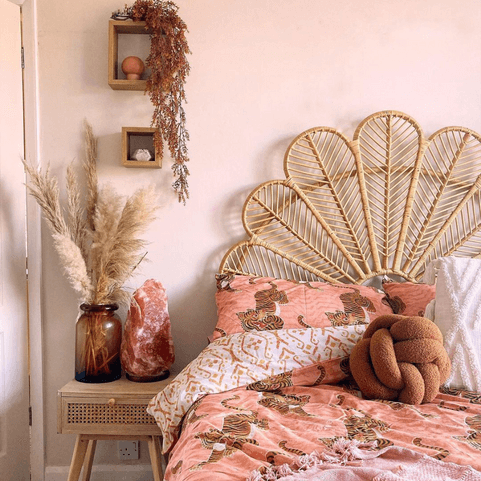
165, 86
99, 245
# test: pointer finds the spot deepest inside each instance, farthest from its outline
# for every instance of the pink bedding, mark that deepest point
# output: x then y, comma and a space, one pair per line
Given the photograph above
228, 435
257, 399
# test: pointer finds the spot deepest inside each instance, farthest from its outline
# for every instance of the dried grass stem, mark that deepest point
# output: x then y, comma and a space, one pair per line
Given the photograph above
98, 243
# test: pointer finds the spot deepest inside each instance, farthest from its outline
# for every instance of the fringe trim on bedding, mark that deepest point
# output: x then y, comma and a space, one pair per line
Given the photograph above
342, 452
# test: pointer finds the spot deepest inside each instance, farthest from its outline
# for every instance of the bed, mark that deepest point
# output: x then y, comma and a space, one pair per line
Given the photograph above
272, 397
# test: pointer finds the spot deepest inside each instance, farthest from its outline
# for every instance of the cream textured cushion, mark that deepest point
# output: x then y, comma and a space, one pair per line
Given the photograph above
457, 313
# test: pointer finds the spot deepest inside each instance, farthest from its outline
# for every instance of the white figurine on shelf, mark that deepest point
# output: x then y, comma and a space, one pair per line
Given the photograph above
142, 154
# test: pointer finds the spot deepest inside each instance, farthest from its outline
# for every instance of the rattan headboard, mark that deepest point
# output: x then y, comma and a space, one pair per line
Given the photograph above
387, 202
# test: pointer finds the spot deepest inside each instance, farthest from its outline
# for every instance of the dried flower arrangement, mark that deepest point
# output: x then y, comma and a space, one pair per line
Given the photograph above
99, 249
165, 86
98, 244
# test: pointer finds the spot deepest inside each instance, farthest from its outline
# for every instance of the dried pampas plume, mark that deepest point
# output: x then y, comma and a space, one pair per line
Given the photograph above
98, 245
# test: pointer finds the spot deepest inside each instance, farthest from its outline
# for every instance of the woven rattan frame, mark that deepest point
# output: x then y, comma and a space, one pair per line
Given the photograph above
387, 202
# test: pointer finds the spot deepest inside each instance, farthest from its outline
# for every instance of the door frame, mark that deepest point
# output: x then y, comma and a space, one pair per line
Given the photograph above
34, 246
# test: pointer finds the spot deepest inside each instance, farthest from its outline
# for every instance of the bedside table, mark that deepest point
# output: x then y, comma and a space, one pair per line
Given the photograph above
108, 411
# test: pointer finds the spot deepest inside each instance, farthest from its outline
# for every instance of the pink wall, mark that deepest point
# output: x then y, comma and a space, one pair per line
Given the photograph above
262, 72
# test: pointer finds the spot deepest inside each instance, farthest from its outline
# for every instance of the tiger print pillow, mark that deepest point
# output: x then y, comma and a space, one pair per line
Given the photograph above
247, 303
408, 298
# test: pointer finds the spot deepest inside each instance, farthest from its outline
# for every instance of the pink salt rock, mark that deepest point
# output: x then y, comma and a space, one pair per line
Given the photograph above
147, 349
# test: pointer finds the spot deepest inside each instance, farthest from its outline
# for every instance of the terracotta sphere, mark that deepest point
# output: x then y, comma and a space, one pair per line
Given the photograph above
133, 67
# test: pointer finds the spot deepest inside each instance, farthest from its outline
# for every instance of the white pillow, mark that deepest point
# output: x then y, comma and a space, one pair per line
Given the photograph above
430, 310
457, 313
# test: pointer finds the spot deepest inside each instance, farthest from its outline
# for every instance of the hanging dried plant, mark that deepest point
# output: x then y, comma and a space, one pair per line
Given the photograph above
98, 245
165, 86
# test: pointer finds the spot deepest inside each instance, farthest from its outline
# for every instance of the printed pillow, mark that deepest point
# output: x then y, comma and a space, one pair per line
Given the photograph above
247, 303
408, 298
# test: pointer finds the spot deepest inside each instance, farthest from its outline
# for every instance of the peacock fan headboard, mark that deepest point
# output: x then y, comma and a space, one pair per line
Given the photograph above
387, 202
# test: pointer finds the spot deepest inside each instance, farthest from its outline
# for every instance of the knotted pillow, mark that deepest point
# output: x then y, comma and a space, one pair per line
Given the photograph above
400, 358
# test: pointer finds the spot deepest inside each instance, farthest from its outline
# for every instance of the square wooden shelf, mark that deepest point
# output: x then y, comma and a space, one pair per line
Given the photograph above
117, 27
134, 138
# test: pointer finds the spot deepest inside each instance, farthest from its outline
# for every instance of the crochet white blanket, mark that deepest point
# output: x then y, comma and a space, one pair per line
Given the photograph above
457, 312
349, 460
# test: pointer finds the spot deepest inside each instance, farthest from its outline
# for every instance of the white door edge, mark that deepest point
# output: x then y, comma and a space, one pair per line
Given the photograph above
34, 246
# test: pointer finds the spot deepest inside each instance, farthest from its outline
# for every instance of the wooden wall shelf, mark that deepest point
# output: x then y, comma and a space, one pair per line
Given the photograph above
139, 138
117, 27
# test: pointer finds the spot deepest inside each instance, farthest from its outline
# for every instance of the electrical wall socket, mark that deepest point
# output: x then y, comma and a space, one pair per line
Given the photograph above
128, 450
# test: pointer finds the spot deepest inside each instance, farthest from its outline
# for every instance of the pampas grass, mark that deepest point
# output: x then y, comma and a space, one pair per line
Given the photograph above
98, 243
74, 265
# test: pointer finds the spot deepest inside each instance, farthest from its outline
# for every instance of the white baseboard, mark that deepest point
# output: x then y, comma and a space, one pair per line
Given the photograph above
105, 472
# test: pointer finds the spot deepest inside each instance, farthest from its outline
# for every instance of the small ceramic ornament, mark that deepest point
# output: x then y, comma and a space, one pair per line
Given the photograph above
142, 154
133, 67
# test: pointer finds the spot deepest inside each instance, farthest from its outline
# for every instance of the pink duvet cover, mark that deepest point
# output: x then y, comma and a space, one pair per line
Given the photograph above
227, 435
253, 400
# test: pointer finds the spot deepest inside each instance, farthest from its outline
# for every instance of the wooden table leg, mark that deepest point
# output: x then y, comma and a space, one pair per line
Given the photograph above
89, 459
166, 458
154, 450
77, 458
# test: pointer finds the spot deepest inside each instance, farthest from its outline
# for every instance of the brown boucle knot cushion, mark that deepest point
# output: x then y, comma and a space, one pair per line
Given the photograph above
400, 358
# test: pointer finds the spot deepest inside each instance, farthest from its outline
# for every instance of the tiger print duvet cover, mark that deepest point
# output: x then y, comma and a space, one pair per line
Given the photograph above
226, 436
257, 399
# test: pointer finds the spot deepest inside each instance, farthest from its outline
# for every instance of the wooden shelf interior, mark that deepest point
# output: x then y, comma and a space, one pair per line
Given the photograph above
134, 138
137, 44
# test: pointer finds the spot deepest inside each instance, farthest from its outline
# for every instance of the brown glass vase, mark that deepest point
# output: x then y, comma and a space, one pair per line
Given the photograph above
97, 344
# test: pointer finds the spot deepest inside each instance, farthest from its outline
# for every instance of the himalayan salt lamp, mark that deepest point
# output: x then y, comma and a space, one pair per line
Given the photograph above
133, 68
147, 350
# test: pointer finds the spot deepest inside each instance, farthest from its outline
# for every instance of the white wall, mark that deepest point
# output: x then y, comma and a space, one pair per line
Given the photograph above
262, 72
